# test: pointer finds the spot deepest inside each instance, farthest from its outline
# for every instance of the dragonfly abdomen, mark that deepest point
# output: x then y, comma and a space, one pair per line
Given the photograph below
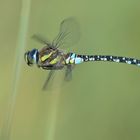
110, 58
77, 59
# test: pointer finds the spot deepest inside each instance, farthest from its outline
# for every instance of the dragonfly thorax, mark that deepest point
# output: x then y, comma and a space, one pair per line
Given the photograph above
31, 57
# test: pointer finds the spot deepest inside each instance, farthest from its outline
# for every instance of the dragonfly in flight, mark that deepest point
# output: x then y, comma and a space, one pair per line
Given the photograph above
52, 58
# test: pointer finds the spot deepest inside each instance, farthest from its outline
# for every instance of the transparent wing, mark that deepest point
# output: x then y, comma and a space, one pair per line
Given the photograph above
41, 39
69, 33
51, 73
68, 73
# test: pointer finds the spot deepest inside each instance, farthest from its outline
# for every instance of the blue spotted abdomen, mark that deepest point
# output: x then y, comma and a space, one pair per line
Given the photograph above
73, 58
77, 59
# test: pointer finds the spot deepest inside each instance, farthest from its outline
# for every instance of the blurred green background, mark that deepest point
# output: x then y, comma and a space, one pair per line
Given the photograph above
103, 99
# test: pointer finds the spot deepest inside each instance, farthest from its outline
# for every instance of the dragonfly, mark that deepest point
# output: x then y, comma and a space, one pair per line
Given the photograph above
51, 57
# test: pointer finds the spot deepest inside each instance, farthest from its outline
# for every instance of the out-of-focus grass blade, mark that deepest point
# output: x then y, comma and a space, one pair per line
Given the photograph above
20, 49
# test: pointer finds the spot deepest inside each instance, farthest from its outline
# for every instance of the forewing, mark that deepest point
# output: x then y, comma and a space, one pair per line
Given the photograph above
69, 33
50, 75
41, 39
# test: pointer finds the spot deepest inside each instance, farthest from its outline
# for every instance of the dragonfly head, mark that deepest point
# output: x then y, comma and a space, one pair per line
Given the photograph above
31, 57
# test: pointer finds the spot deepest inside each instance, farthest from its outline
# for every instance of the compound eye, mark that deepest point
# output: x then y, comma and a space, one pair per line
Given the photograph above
28, 58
